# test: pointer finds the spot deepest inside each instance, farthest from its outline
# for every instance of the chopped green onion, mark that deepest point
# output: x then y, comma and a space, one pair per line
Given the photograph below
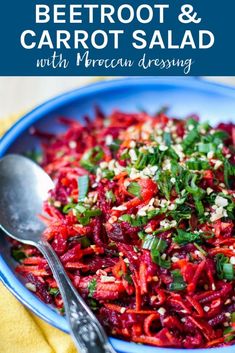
84, 219
190, 139
167, 138
83, 185
127, 277
197, 164
206, 147
202, 251
92, 287
134, 189
18, 254
107, 174
93, 304
178, 283
54, 291
135, 222
91, 157
229, 171
156, 257
114, 146
110, 196
184, 238
233, 317
228, 272
142, 161
229, 332
141, 235
224, 268
84, 241
80, 208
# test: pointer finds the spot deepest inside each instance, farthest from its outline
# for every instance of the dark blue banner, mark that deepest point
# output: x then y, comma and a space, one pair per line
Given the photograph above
117, 37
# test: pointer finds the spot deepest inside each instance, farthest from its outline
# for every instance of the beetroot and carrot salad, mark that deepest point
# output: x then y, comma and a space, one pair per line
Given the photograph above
142, 218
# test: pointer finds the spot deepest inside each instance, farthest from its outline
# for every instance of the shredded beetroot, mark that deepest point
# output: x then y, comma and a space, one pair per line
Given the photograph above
142, 218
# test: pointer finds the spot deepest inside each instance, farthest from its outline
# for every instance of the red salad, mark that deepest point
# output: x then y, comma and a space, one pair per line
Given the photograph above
142, 218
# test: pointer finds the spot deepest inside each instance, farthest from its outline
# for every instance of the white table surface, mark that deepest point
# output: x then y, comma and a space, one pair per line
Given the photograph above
20, 94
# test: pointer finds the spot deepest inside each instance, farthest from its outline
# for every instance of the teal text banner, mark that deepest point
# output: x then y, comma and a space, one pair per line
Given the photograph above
117, 37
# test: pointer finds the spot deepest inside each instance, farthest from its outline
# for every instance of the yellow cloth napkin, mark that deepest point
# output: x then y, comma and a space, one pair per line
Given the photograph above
20, 330
23, 332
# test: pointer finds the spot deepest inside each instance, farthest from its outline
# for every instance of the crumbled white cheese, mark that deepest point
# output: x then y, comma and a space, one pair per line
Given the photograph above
163, 148
119, 208
103, 165
31, 286
107, 279
171, 207
209, 191
132, 144
232, 260
133, 155
73, 144
218, 164
109, 140
179, 151
161, 311
218, 213
57, 204
141, 212
126, 183
112, 219
210, 155
174, 259
221, 201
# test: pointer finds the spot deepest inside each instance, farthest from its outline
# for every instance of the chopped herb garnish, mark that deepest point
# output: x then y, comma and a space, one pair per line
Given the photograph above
178, 283
18, 254
137, 221
134, 189
183, 238
54, 291
202, 251
229, 334
224, 268
107, 174
151, 242
228, 272
167, 138
91, 158
114, 146
110, 196
190, 139
92, 287
156, 246
87, 215
83, 185
197, 164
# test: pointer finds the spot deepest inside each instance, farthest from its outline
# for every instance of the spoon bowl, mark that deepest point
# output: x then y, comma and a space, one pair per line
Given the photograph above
23, 188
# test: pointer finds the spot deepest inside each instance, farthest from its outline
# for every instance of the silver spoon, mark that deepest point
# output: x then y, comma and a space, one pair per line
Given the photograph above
23, 188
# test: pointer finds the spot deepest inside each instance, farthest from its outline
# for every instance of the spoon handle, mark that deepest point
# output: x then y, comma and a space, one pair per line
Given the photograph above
89, 336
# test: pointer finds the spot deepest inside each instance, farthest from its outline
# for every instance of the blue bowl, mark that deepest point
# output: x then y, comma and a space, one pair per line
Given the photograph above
184, 96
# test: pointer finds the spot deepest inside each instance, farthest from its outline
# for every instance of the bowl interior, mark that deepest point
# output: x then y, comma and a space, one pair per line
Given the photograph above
183, 96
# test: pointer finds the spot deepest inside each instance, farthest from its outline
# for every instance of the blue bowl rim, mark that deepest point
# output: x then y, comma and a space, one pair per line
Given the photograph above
7, 275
